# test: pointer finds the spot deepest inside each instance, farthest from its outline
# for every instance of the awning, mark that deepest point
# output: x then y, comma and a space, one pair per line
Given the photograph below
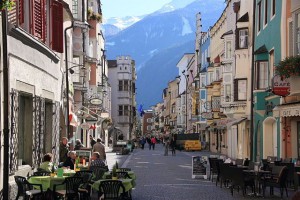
288, 110
235, 122
73, 119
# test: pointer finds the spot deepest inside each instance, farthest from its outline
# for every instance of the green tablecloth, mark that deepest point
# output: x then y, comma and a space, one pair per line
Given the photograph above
127, 183
47, 181
130, 173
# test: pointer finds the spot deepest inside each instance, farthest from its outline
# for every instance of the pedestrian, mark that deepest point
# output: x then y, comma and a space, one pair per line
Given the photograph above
63, 149
78, 145
153, 142
173, 145
92, 141
142, 142
166, 143
70, 161
95, 161
99, 147
149, 142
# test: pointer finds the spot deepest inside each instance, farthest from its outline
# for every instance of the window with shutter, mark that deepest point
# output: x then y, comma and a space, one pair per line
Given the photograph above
38, 22
57, 26
21, 12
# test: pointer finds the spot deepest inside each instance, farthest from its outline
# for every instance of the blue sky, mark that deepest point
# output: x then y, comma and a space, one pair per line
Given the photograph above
121, 8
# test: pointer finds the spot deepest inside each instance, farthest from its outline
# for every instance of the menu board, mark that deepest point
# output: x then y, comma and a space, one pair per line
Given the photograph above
199, 167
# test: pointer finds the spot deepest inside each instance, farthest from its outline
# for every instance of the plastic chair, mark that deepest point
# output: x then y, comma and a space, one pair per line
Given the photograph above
124, 169
123, 175
277, 180
111, 189
26, 189
240, 180
98, 173
85, 188
71, 191
41, 173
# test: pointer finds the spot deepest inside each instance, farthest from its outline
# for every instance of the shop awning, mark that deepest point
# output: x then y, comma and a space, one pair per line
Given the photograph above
73, 119
288, 110
235, 122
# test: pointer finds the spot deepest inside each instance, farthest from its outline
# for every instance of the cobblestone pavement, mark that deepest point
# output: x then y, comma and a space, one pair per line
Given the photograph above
162, 177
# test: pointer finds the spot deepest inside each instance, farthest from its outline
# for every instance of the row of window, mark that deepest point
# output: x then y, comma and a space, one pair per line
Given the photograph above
263, 11
126, 85
43, 19
126, 110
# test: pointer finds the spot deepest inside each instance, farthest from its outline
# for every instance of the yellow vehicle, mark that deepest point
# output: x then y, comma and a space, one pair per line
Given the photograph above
192, 145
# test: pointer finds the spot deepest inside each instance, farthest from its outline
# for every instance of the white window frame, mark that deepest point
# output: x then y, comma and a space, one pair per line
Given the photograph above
262, 83
266, 9
243, 39
149, 120
297, 33
272, 10
259, 21
242, 90
227, 92
228, 47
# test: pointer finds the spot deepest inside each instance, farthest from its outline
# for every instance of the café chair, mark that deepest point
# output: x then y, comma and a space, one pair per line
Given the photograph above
82, 173
122, 175
41, 173
213, 168
239, 161
85, 188
26, 189
240, 180
98, 173
110, 189
71, 192
124, 169
276, 180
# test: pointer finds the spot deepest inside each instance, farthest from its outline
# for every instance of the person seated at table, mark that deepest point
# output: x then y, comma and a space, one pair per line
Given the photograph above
70, 160
78, 145
46, 164
96, 161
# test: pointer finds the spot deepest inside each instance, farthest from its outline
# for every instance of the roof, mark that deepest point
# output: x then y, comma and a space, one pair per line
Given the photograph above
227, 33
244, 18
261, 49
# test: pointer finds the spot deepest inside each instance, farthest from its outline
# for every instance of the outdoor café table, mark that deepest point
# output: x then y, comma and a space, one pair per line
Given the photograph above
130, 173
47, 182
69, 173
127, 183
257, 176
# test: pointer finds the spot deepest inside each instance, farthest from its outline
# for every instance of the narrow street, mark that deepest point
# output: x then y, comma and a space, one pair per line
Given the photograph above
169, 177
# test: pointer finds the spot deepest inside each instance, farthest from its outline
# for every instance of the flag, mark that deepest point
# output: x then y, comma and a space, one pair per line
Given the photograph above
141, 110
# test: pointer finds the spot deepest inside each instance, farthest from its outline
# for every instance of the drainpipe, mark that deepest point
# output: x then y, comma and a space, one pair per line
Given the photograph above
253, 150
67, 80
5, 107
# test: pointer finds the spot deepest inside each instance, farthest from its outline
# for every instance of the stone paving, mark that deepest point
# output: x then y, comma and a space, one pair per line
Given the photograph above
162, 177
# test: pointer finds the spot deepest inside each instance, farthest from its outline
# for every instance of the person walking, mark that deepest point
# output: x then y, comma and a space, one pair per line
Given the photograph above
142, 142
172, 145
92, 141
153, 142
149, 142
99, 147
166, 143
63, 149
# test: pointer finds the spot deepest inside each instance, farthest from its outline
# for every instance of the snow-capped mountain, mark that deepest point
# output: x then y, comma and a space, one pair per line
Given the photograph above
158, 41
174, 5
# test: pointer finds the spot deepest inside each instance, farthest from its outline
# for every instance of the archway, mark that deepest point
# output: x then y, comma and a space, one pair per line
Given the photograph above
269, 137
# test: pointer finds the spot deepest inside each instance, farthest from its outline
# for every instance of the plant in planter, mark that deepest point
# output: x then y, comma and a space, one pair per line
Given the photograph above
290, 66
114, 173
7, 4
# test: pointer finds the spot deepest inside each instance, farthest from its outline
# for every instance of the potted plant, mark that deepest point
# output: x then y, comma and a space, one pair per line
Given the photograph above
114, 173
290, 68
7, 4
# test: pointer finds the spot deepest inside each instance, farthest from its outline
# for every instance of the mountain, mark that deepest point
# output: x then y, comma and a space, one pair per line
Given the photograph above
114, 25
158, 41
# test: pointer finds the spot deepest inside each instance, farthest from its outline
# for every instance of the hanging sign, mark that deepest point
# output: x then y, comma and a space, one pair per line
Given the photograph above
280, 86
85, 126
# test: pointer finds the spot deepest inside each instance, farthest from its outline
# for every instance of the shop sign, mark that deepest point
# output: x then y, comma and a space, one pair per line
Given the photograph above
207, 115
281, 87
289, 112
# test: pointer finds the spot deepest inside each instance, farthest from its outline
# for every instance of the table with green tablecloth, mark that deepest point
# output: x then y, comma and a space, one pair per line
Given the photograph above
47, 182
127, 183
130, 173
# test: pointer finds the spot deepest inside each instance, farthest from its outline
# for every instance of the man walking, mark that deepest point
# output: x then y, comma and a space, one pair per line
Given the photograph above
99, 147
